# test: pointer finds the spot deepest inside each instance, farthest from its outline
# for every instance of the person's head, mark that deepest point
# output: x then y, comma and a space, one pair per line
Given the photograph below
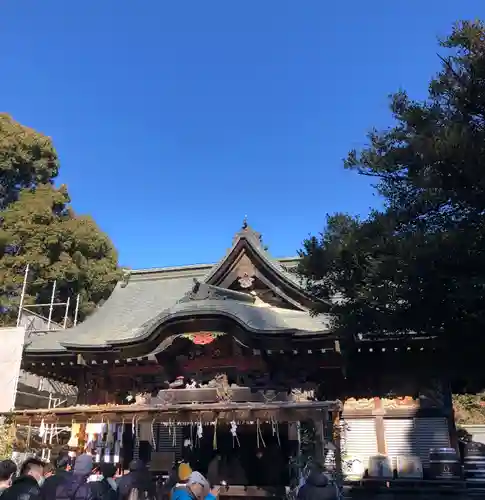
33, 467
62, 460
107, 470
137, 465
8, 469
184, 470
317, 467
198, 485
83, 465
49, 469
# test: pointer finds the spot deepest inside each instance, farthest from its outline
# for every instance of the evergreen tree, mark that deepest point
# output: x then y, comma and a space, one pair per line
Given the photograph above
418, 265
40, 229
27, 158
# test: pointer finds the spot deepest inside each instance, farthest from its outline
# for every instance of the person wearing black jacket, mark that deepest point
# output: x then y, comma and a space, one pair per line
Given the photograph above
28, 485
60, 474
75, 485
317, 486
138, 478
105, 487
8, 469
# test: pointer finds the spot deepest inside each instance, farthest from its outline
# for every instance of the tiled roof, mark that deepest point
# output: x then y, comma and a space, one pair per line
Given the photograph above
128, 308
147, 298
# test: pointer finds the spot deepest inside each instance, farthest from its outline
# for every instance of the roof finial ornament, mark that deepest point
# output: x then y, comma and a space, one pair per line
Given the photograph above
245, 222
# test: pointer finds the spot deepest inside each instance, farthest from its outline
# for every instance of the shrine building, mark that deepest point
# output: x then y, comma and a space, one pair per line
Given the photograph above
235, 342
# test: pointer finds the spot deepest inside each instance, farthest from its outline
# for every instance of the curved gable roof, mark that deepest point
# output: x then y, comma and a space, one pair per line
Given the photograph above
147, 298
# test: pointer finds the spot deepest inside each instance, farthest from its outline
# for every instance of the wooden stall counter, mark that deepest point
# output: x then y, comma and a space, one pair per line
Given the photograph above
236, 491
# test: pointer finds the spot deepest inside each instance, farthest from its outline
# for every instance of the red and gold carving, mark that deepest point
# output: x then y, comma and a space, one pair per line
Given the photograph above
202, 338
359, 404
405, 402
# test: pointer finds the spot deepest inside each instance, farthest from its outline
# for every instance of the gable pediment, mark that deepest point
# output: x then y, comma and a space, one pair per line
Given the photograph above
248, 267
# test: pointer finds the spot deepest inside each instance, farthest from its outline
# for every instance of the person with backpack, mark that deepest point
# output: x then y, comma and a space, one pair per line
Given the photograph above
137, 483
8, 469
103, 485
196, 488
75, 486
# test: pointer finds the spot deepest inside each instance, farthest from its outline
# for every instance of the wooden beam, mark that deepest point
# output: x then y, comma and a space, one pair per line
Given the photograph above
208, 413
379, 422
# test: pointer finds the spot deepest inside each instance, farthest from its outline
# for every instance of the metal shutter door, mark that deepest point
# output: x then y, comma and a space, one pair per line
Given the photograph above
399, 436
430, 433
360, 439
136, 444
166, 441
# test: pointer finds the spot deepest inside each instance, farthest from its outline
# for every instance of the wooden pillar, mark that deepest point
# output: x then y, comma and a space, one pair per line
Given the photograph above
450, 414
379, 422
82, 386
337, 430
319, 439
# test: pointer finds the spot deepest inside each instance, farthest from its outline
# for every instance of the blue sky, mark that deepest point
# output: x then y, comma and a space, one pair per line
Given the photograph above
174, 119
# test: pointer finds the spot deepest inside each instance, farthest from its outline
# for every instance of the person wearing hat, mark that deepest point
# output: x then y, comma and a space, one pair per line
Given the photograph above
196, 488
183, 473
177, 479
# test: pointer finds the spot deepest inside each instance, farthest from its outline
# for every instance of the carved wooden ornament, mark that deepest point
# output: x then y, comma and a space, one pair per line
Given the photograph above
202, 338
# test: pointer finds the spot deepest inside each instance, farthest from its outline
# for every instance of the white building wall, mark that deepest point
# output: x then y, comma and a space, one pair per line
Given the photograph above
10, 361
21, 389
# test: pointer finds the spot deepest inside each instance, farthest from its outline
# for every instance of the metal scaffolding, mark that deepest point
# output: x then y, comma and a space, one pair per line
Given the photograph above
51, 305
36, 324
50, 431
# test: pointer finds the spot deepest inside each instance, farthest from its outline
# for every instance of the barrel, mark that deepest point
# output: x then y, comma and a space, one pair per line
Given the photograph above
474, 464
444, 464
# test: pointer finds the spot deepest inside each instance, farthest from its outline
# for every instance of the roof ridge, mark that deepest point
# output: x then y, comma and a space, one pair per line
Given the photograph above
190, 267
150, 270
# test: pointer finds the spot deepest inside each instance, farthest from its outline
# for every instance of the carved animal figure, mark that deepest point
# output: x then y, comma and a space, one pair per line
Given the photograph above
178, 383
223, 389
143, 398
191, 385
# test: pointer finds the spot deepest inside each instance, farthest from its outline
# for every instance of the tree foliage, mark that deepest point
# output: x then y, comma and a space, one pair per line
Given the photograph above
7, 439
41, 230
418, 265
27, 158
469, 409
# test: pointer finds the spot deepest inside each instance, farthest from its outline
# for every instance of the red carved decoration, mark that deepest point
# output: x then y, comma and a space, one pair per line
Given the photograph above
203, 338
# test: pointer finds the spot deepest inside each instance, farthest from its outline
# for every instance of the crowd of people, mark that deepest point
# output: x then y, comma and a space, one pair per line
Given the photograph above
81, 479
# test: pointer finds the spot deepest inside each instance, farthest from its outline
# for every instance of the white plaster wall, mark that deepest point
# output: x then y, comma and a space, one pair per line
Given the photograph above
12, 344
